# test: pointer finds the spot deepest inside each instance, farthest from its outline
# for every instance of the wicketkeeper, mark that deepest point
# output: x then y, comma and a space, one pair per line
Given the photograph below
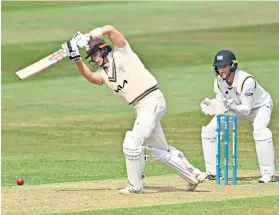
124, 73
238, 92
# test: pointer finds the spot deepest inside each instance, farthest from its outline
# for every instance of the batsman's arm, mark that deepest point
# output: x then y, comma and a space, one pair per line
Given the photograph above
114, 35
93, 77
72, 50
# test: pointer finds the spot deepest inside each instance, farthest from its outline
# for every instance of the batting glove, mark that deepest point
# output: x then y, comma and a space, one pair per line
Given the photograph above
72, 50
82, 40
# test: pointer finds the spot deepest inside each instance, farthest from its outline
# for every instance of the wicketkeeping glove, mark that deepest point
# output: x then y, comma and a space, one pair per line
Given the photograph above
228, 103
72, 50
212, 107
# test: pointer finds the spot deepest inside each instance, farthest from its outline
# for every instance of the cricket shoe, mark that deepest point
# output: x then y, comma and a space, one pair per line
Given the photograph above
130, 189
267, 178
210, 177
200, 178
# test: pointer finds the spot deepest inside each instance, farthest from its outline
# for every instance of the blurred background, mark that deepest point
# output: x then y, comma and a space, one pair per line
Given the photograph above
56, 127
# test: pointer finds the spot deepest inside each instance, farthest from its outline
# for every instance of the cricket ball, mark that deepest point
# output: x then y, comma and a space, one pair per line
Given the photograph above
20, 181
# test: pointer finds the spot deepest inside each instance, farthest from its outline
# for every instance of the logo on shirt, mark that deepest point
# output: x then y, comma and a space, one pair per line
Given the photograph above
120, 68
119, 87
249, 92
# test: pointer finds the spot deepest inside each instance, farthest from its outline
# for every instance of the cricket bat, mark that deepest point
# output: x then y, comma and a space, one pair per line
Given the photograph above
41, 65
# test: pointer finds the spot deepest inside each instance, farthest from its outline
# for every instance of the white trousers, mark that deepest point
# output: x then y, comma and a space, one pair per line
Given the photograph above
147, 124
147, 128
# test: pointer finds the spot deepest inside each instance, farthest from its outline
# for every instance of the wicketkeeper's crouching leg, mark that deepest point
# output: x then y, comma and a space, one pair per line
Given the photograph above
265, 154
264, 143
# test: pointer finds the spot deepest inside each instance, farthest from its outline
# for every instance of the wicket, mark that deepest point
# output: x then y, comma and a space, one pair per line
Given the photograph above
226, 148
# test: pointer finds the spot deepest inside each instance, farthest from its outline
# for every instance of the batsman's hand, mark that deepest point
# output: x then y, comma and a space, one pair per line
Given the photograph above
82, 40
72, 50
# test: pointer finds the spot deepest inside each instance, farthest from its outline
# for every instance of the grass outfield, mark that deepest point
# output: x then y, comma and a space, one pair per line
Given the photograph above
251, 206
58, 128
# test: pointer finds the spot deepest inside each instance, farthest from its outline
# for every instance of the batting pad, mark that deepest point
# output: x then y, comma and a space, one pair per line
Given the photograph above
209, 149
176, 161
265, 151
135, 162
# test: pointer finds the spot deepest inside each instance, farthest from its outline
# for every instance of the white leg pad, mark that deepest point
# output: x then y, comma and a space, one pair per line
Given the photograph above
134, 155
265, 151
209, 144
176, 161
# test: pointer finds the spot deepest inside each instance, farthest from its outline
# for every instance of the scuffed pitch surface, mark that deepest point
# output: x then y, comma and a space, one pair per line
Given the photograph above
96, 195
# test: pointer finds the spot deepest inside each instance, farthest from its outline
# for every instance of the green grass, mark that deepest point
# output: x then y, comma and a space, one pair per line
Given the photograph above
56, 127
248, 206
69, 135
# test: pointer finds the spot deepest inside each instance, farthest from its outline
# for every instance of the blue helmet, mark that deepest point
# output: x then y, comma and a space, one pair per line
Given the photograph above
225, 57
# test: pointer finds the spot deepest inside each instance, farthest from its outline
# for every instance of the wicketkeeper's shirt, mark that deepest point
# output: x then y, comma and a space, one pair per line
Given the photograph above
245, 91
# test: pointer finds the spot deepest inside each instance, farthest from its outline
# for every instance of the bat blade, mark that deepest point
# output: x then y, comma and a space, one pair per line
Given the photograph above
41, 64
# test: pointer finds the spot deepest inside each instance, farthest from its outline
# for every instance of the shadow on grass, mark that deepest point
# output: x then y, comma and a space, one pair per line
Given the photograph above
168, 189
153, 189
83, 189
248, 178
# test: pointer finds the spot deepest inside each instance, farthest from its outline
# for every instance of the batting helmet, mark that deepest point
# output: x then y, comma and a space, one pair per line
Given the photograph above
96, 45
225, 57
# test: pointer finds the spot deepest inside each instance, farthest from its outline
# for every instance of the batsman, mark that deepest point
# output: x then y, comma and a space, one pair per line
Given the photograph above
238, 92
123, 72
